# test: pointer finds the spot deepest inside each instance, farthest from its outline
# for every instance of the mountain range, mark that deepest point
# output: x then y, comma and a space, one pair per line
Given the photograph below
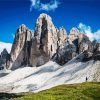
48, 57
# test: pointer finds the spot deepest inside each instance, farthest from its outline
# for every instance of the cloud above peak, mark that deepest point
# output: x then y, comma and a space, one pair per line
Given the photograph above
51, 5
88, 31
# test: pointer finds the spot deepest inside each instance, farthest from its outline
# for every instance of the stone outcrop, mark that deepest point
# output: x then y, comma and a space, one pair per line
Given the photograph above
96, 50
49, 42
4, 58
36, 49
85, 44
20, 51
71, 47
47, 39
76, 44
62, 38
65, 54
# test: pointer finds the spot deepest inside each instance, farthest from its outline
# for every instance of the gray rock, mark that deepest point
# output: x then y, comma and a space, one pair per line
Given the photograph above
20, 51
65, 54
46, 40
29, 50
48, 43
4, 57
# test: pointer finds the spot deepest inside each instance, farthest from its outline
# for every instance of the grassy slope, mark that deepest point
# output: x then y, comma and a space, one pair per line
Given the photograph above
84, 91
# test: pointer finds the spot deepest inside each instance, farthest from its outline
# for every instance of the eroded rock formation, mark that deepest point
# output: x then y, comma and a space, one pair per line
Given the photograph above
4, 59
48, 42
20, 51
37, 49
47, 38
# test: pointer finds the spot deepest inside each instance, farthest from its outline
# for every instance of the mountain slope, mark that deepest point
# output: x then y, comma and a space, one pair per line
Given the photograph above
83, 91
50, 75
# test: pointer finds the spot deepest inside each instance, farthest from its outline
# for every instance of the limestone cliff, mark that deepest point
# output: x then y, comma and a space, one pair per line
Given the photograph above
20, 51
47, 38
48, 42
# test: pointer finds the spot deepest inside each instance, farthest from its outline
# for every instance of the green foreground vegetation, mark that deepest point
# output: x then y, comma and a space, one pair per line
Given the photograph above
84, 91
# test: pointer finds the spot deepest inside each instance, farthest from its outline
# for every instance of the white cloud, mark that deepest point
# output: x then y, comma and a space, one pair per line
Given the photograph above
4, 45
97, 35
88, 31
37, 4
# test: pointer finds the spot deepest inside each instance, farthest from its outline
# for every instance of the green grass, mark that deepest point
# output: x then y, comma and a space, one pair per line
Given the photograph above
84, 91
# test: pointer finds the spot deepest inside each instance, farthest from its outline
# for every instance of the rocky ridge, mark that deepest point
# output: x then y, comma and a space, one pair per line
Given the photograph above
48, 42
35, 49
47, 38
19, 52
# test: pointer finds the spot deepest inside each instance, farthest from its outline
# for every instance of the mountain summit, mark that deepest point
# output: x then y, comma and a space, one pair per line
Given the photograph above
64, 58
35, 49
49, 43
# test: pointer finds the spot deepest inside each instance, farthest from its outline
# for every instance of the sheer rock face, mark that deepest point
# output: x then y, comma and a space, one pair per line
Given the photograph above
62, 38
85, 44
76, 44
65, 54
80, 40
90, 49
19, 51
96, 51
48, 43
38, 49
46, 40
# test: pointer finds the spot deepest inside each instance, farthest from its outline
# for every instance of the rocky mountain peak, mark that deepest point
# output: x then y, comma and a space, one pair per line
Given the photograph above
63, 31
45, 16
22, 28
46, 40
22, 40
4, 53
4, 57
44, 22
48, 43
74, 32
62, 37
38, 49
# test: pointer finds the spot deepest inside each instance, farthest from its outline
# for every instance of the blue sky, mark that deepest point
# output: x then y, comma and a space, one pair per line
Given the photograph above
83, 14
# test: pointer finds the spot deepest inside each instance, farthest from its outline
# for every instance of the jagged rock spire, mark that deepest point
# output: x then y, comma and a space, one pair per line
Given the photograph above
38, 49
47, 39
19, 49
74, 32
4, 57
46, 43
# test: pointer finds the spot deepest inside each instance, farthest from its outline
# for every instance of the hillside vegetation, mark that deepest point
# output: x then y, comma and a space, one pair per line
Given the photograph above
83, 91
